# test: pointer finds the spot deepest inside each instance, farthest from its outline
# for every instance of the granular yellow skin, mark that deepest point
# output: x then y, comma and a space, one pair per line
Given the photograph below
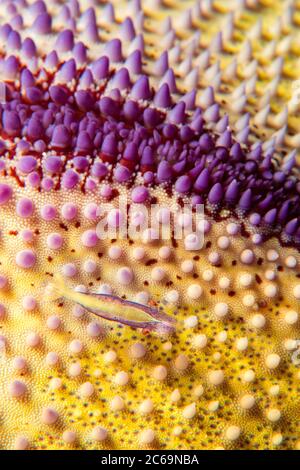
276, 389
23, 416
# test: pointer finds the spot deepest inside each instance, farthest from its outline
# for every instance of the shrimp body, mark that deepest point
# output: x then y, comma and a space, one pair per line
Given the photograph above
114, 308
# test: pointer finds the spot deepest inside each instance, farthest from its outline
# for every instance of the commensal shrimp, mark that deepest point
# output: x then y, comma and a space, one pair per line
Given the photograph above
113, 308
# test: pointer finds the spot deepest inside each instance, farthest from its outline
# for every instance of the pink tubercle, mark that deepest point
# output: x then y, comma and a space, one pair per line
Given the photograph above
3, 281
48, 212
26, 259
106, 191
69, 211
2, 311
89, 238
25, 208
17, 389
54, 241
91, 211
5, 193
29, 303
27, 235
115, 218
69, 270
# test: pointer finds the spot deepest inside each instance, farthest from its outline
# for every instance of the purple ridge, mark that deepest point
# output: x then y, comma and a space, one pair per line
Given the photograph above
35, 129
84, 100
71, 25
138, 43
89, 17
236, 152
86, 79
51, 60
27, 79
177, 114
109, 13
284, 212
14, 40
121, 79
202, 182
190, 100
246, 200
151, 117
113, 49
109, 107
11, 123
197, 124
162, 98
215, 195
67, 72
170, 131
232, 192
58, 94
162, 64
266, 202
170, 79
74, 8
28, 48
291, 227
61, 137
64, 14
256, 153
222, 124
92, 33
206, 143
289, 162
80, 52
134, 62
37, 8
83, 143
179, 167
42, 24
147, 157
183, 184
186, 133
212, 114
164, 172
5, 31
131, 110
65, 41
109, 145
131, 152
270, 216
33, 94
11, 67
127, 30
225, 139
17, 22
141, 89
100, 68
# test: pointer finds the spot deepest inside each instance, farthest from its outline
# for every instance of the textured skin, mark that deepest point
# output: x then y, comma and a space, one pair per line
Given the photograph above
217, 407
